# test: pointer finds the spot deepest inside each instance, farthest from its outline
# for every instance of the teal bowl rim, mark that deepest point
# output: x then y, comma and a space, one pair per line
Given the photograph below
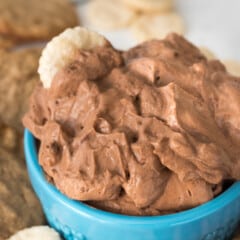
231, 194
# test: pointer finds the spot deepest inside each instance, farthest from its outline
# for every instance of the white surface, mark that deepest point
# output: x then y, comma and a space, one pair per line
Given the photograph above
211, 23
214, 24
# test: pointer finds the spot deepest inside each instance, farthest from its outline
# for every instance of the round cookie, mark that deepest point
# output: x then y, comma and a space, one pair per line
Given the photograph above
108, 15
33, 19
150, 5
62, 48
19, 207
233, 67
157, 26
18, 71
36, 233
11, 140
6, 42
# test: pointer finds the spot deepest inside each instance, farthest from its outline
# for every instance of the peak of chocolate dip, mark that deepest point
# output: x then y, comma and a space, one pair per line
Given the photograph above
152, 130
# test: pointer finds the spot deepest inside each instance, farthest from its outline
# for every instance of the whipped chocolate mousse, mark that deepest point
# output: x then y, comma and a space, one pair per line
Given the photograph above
152, 130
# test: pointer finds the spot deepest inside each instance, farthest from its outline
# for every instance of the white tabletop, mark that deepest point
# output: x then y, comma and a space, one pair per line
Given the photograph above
214, 24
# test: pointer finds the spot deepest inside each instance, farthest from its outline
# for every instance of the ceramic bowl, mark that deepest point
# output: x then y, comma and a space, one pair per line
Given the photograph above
214, 220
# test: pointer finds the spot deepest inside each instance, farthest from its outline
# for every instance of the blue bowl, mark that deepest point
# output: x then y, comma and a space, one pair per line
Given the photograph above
214, 220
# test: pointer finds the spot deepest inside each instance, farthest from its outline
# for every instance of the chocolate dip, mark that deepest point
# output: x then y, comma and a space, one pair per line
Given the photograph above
149, 131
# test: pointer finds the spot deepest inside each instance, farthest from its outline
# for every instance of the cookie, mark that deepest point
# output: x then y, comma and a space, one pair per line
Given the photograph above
60, 51
207, 53
35, 20
149, 5
233, 67
6, 42
11, 140
108, 15
36, 233
157, 26
19, 207
18, 73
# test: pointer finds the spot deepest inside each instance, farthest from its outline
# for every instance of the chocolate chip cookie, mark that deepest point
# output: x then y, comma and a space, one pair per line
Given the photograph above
19, 207
36, 20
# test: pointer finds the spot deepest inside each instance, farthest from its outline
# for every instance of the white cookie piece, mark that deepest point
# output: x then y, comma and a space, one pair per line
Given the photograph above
157, 26
61, 50
36, 233
233, 67
109, 14
150, 5
207, 53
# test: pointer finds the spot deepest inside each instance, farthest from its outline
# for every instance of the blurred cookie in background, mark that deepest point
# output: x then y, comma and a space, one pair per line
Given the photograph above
147, 19
18, 75
19, 207
11, 140
6, 42
36, 233
150, 6
149, 26
233, 67
28, 20
109, 14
